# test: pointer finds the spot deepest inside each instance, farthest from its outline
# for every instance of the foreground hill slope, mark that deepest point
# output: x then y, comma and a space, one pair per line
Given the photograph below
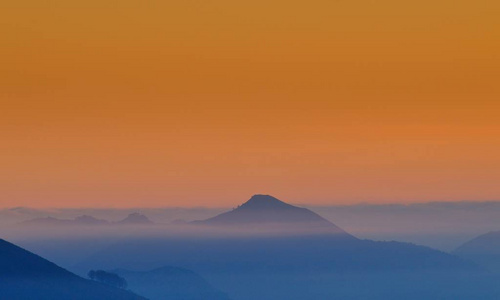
24, 275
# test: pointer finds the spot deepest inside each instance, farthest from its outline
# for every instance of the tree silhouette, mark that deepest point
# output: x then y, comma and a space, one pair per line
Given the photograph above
108, 278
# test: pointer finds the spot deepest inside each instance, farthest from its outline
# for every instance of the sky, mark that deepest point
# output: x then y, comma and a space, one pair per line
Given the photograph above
205, 103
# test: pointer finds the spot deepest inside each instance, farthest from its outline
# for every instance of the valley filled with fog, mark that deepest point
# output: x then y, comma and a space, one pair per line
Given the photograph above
265, 248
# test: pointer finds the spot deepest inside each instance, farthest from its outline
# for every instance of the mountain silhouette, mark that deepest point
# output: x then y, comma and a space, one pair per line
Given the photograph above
135, 219
296, 249
170, 283
24, 275
297, 263
264, 211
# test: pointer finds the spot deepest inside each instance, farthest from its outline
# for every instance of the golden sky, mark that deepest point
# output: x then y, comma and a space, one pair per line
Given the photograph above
206, 102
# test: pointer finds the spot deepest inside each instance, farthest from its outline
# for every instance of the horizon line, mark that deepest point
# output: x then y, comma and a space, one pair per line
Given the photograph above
233, 206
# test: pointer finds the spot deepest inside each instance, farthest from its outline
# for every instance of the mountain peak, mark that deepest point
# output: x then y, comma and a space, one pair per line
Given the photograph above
136, 218
264, 202
265, 212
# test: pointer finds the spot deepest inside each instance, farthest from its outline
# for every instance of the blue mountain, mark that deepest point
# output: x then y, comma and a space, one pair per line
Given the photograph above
26, 276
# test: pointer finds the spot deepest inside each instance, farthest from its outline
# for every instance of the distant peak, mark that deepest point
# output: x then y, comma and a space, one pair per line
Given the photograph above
136, 218
263, 197
86, 219
264, 202
268, 211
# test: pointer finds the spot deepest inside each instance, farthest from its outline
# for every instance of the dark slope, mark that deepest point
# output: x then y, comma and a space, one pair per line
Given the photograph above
483, 250
24, 275
170, 283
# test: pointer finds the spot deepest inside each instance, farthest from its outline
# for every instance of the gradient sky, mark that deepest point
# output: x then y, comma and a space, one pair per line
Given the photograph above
186, 103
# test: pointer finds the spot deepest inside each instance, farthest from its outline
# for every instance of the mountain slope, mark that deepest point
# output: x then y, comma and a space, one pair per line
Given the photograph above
24, 275
170, 283
483, 250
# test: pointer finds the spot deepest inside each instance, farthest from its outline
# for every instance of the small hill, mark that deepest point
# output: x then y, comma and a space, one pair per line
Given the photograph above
50, 221
135, 219
170, 283
24, 275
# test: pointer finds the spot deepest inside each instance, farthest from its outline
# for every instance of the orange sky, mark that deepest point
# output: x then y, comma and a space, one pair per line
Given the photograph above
186, 103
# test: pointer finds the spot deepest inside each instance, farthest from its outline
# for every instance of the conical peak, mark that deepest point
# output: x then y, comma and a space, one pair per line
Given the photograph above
264, 202
265, 212
136, 218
